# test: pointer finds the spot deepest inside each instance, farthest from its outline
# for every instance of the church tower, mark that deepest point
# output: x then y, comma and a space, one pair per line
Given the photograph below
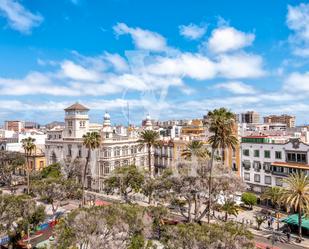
148, 123
107, 131
76, 121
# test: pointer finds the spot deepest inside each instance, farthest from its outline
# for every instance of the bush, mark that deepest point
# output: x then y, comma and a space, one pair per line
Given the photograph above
249, 199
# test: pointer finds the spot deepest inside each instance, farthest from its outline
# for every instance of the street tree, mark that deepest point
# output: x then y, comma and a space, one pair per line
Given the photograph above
229, 208
296, 195
215, 236
56, 190
221, 124
124, 181
149, 138
10, 161
108, 227
249, 199
260, 219
29, 147
91, 141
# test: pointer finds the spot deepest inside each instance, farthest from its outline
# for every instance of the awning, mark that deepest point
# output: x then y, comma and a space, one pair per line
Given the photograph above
293, 220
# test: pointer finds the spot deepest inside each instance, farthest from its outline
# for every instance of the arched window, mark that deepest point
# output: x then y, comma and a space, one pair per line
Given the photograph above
54, 157
106, 168
117, 164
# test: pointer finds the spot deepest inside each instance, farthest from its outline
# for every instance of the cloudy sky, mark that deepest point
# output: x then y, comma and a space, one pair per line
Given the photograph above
172, 59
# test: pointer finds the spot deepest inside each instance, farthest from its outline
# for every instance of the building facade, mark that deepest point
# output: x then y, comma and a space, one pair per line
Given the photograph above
64, 146
14, 125
283, 119
250, 117
267, 160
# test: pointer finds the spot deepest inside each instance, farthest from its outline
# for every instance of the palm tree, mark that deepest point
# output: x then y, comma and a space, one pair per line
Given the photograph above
195, 149
91, 141
296, 195
149, 138
221, 124
28, 146
229, 208
274, 194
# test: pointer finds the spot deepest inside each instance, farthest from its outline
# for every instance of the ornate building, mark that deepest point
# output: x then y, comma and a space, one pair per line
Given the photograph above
116, 150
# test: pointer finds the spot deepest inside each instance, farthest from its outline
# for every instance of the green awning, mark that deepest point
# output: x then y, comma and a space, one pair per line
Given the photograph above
293, 220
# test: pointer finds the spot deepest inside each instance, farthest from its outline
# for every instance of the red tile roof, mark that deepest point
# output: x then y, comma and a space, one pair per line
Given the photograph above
76, 106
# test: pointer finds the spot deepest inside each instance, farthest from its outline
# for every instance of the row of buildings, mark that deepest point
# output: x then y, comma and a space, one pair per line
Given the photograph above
267, 151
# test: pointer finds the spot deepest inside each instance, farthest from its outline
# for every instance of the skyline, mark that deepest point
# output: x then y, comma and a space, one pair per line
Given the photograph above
172, 64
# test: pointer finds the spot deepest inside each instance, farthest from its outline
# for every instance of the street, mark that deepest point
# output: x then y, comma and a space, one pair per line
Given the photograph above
277, 244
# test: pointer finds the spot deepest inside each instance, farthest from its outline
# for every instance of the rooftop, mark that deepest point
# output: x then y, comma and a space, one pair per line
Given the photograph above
76, 106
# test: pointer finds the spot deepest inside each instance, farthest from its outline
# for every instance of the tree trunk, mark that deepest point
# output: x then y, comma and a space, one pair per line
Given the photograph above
149, 160
226, 216
299, 223
210, 183
28, 174
84, 177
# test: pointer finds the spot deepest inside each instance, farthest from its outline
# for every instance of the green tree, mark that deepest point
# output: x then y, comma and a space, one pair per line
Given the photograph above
229, 208
274, 194
259, 221
91, 141
16, 213
115, 226
28, 146
56, 190
195, 236
195, 149
220, 123
9, 162
296, 195
124, 181
51, 171
249, 199
149, 138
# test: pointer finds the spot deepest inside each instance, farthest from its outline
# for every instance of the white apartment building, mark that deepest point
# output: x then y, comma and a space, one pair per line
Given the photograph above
64, 146
267, 160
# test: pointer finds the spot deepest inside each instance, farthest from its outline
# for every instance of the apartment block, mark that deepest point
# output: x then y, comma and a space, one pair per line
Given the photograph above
283, 119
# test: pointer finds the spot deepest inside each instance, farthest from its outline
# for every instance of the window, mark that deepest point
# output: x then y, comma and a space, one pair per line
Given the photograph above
278, 155
267, 153
79, 151
257, 178
41, 164
70, 123
256, 153
247, 176
278, 181
234, 167
268, 180
233, 152
296, 157
106, 168
267, 167
246, 164
246, 152
117, 164
69, 150
257, 166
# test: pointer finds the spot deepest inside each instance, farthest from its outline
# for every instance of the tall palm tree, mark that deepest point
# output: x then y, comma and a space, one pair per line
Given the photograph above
28, 146
195, 149
229, 208
91, 141
149, 138
296, 195
221, 124
274, 194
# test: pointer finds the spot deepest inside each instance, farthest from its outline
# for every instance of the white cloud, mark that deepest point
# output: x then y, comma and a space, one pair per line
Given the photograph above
77, 72
192, 31
236, 87
224, 39
297, 83
240, 65
194, 66
143, 39
118, 62
19, 18
298, 21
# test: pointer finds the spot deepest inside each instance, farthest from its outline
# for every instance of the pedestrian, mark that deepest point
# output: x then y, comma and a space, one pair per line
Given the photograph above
269, 223
288, 233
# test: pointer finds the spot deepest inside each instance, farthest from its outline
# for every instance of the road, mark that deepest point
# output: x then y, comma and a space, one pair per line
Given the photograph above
277, 244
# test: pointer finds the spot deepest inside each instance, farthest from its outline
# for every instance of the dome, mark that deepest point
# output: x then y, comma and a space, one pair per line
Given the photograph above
148, 117
107, 116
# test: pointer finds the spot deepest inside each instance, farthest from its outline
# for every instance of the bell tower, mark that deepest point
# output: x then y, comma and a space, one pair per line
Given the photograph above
76, 121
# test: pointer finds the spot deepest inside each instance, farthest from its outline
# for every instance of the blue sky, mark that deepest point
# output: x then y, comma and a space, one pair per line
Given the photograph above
173, 59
